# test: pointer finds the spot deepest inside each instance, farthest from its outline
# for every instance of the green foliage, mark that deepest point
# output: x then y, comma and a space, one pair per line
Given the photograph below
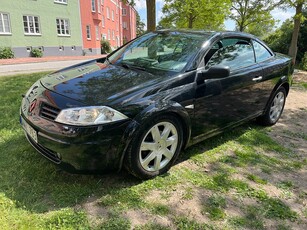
6, 53
304, 62
68, 219
256, 179
200, 14
253, 15
279, 41
140, 26
105, 47
215, 207
36, 53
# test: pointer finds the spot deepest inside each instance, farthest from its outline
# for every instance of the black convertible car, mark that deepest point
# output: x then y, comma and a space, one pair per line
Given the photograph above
143, 103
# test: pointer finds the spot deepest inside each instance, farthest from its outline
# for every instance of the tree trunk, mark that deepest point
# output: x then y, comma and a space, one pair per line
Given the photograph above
297, 23
190, 25
151, 15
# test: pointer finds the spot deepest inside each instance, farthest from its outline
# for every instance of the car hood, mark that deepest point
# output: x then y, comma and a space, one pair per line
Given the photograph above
94, 83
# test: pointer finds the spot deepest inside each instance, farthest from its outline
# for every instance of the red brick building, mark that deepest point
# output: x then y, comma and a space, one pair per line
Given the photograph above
111, 20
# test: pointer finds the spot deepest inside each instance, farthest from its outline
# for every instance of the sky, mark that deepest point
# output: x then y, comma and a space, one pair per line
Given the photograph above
278, 14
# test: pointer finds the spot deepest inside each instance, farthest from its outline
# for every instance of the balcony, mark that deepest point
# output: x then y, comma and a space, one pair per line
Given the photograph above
96, 16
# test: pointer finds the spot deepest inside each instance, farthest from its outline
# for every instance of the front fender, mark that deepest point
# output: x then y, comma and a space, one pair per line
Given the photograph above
155, 110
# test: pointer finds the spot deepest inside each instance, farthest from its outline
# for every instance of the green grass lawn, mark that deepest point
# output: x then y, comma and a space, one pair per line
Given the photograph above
241, 179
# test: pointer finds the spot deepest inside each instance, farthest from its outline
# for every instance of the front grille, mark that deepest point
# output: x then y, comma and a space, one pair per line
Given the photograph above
48, 153
49, 112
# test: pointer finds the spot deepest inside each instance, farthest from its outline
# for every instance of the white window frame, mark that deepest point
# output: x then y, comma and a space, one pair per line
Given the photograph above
112, 15
93, 5
65, 23
29, 25
108, 13
61, 1
103, 22
97, 33
125, 25
113, 35
102, 2
3, 25
88, 32
124, 12
98, 6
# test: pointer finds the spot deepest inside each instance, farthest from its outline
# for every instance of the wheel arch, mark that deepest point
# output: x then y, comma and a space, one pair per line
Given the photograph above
151, 112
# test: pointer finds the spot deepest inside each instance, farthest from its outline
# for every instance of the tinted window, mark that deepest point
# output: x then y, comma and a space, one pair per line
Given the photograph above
234, 56
261, 52
160, 51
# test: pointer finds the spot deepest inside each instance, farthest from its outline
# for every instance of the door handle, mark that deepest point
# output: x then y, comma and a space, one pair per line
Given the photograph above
259, 78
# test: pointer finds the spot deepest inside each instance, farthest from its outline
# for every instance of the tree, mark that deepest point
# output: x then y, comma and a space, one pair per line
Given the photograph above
151, 15
298, 19
139, 25
200, 14
262, 28
280, 39
248, 13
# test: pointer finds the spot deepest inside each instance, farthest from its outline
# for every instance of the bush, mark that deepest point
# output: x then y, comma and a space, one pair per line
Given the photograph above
304, 62
6, 52
36, 53
105, 47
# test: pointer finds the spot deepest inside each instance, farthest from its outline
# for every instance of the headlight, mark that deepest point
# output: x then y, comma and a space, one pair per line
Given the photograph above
92, 115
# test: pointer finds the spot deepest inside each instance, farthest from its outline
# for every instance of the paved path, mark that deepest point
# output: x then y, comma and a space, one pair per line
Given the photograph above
15, 66
8, 70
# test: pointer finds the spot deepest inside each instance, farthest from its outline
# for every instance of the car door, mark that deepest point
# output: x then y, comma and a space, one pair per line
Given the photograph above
220, 103
272, 70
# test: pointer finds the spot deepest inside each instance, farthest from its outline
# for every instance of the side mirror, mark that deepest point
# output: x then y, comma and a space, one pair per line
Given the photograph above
214, 72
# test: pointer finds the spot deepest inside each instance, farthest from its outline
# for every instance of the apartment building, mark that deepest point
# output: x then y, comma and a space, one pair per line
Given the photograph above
52, 26
64, 27
129, 23
105, 19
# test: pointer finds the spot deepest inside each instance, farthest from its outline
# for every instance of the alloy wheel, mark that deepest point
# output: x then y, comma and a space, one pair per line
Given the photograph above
277, 106
158, 146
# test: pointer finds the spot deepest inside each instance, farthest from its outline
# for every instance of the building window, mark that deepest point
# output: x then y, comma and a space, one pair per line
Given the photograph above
5, 27
63, 27
125, 25
98, 6
113, 34
124, 12
97, 33
61, 1
112, 15
109, 34
104, 37
93, 5
103, 22
108, 13
31, 25
102, 2
88, 32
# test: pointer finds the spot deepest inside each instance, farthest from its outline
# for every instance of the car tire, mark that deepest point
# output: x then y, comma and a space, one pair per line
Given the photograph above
154, 147
274, 108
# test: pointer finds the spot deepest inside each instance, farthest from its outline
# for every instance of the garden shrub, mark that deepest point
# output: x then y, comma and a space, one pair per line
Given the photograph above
304, 62
6, 53
36, 53
105, 47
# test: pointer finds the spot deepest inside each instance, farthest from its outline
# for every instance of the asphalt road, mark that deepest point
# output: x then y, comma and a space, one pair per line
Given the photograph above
8, 70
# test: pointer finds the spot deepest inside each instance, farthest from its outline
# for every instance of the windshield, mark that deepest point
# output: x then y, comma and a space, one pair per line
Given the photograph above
166, 51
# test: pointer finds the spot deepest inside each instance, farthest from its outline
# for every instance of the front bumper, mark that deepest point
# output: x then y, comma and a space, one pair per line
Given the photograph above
74, 148
80, 149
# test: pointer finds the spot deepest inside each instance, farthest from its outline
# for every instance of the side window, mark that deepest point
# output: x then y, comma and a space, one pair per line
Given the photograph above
262, 53
235, 56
